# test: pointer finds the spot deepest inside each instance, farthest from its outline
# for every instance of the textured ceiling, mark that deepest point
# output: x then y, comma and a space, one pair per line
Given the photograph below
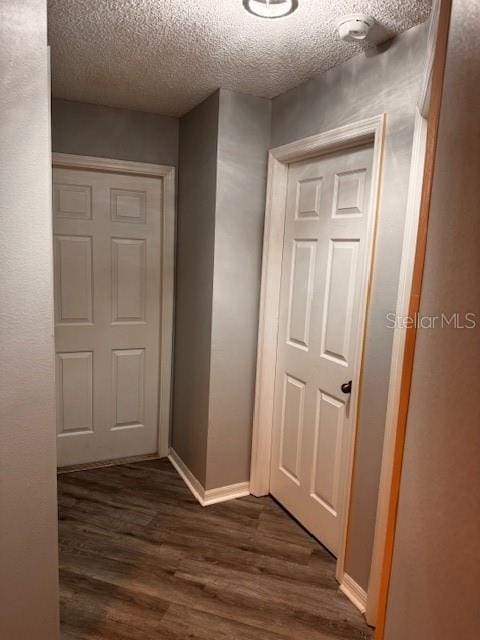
165, 56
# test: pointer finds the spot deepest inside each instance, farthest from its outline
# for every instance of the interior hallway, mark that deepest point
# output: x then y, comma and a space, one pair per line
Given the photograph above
139, 557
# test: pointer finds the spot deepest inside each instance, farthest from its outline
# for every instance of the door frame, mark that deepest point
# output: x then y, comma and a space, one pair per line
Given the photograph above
371, 130
396, 364
167, 175
414, 228
425, 141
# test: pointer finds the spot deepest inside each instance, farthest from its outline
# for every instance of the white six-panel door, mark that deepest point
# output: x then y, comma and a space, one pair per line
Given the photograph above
324, 255
107, 240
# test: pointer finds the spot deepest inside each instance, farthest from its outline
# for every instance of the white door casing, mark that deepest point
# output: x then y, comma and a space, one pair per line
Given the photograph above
113, 306
327, 210
360, 133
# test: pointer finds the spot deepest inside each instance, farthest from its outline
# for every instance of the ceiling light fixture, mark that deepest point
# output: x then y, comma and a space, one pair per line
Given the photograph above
270, 8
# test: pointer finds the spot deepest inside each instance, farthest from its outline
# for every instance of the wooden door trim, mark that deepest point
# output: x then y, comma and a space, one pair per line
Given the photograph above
371, 130
412, 218
167, 175
432, 110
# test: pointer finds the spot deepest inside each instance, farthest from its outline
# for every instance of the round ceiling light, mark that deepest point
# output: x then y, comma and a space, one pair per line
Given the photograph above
270, 8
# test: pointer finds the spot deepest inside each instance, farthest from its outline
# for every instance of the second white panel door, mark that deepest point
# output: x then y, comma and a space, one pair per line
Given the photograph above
323, 269
107, 243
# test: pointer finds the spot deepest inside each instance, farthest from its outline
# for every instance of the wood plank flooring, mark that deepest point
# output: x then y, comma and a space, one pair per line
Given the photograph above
142, 560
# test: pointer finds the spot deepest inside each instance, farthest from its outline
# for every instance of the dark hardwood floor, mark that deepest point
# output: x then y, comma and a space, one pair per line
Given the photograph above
141, 559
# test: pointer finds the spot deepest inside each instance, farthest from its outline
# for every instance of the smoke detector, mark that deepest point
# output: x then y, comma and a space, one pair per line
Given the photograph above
354, 27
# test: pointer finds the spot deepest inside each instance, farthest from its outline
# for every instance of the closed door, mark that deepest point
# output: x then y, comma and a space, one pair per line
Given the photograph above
107, 312
323, 273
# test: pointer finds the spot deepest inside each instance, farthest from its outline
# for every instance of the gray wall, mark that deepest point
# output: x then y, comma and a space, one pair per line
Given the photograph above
387, 81
194, 283
436, 564
243, 140
222, 178
28, 510
105, 132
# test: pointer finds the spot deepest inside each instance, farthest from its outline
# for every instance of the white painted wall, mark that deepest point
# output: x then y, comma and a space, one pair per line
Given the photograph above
28, 512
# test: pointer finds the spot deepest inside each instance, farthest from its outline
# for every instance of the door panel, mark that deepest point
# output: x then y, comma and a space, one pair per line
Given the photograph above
73, 279
72, 201
327, 451
128, 280
128, 388
75, 392
107, 243
349, 193
323, 266
301, 290
292, 423
339, 297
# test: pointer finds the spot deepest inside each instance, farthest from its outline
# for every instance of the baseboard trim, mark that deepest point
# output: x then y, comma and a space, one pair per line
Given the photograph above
230, 492
115, 462
187, 476
207, 497
354, 592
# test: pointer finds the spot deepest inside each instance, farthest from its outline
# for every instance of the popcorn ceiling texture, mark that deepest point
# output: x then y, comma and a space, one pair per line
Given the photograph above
165, 56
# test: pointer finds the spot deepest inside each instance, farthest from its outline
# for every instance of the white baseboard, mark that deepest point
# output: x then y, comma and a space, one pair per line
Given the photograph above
187, 476
207, 497
354, 592
230, 492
